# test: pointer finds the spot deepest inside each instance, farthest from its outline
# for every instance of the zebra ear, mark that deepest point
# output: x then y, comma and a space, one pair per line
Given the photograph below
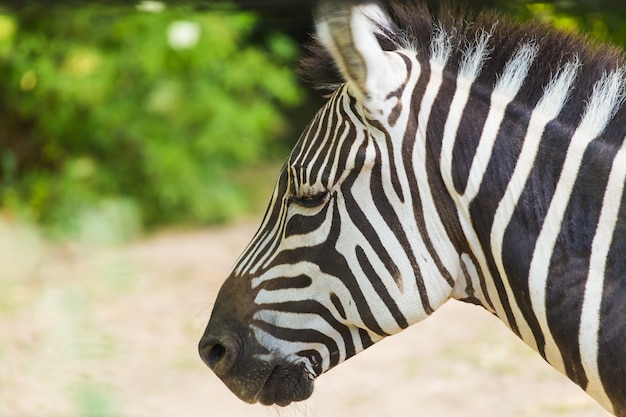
348, 32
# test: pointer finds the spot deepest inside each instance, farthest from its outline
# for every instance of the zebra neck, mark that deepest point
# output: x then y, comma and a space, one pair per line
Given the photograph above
538, 202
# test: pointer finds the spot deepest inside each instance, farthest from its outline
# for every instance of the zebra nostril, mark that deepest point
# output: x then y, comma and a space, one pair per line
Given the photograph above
220, 354
215, 355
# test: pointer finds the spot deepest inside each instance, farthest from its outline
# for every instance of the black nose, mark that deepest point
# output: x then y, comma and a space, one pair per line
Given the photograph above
219, 353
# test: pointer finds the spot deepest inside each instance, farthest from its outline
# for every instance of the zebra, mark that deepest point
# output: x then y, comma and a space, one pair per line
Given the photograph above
460, 155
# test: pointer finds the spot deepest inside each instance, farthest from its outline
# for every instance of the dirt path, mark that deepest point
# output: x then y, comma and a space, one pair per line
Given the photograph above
92, 332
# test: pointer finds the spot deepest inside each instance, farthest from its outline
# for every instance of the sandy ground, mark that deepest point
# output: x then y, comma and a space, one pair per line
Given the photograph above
113, 332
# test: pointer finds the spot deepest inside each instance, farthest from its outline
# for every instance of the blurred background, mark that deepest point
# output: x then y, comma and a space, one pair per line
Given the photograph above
139, 143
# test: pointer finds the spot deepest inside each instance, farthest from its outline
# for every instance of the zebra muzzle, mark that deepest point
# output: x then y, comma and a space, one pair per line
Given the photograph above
251, 373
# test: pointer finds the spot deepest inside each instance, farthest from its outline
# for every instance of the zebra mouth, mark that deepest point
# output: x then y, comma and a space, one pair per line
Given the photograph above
286, 384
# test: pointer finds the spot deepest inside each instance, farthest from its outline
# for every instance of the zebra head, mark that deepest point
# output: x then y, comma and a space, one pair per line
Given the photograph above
340, 260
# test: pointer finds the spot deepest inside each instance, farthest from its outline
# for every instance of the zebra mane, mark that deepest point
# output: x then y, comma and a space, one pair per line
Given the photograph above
460, 31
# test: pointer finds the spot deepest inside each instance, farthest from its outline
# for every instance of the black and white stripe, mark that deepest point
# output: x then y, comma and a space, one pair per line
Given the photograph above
483, 162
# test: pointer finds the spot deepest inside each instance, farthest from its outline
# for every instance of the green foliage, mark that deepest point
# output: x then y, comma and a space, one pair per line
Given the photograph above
114, 117
145, 113
604, 21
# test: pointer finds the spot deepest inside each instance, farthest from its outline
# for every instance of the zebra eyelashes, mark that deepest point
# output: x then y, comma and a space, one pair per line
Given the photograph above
312, 200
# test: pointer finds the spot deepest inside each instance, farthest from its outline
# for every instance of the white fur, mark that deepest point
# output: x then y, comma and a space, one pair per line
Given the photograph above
590, 315
549, 106
350, 37
603, 100
440, 47
607, 96
473, 58
475, 55
506, 88
558, 89
516, 70
289, 349
378, 19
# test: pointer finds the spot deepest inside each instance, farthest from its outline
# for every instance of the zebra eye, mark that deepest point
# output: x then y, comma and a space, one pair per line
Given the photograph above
312, 200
